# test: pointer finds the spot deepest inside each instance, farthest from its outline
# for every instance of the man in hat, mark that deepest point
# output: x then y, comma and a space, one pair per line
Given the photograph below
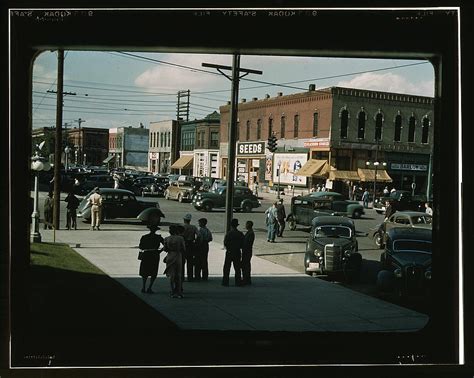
190, 235
281, 216
233, 242
202, 247
95, 201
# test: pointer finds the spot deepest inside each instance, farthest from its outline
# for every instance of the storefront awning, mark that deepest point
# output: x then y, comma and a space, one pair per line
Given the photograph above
109, 159
183, 162
369, 175
344, 175
314, 167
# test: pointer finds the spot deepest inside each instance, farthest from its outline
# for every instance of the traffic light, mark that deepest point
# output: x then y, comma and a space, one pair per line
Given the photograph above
272, 143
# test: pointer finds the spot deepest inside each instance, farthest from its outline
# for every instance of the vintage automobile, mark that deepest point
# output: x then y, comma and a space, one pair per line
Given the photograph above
402, 200
406, 262
332, 248
415, 219
157, 187
92, 181
243, 200
140, 183
180, 190
305, 208
120, 203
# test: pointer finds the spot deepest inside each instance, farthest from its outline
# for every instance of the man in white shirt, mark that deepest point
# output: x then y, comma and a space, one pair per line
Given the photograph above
96, 203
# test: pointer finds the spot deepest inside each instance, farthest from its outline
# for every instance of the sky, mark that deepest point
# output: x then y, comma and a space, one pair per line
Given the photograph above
114, 89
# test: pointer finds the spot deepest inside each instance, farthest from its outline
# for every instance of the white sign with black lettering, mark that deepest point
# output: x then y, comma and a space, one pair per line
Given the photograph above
251, 148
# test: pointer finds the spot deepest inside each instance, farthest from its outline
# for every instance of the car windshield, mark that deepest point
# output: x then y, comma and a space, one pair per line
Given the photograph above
332, 232
421, 219
412, 246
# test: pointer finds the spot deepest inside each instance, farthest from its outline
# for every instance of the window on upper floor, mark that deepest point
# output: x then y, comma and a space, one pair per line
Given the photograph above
270, 127
282, 127
397, 136
425, 127
259, 129
361, 117
411, 129
214, 139
296, 125
378, 126
344, 123
247, 131
315, 124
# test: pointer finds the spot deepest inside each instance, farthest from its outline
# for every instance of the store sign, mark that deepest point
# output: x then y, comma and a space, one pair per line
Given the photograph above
317, 142
287, 165
409, 167
251, 148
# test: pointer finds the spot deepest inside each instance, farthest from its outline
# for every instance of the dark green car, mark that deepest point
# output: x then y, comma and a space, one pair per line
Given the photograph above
305, 208
244, 199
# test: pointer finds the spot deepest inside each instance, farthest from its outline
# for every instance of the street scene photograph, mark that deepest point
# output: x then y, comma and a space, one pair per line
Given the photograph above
178, 197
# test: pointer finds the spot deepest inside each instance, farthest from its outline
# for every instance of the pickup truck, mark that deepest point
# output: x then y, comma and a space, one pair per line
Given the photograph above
243, 200
402, 200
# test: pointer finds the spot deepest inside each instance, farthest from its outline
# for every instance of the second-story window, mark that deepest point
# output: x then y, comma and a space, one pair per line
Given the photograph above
247, 133
282, 127
378, 126
296, 128
169, 138
270, 127
411, 129
259, 129
315, 124
425, 126
214, 139
397, 136
344, 123
361, 125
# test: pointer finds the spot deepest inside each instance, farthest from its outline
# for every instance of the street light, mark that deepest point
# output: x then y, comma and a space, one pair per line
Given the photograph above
66, 155
38, 164
376, 164
279, 173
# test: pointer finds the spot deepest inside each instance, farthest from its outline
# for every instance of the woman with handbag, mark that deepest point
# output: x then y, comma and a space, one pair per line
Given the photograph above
149, 255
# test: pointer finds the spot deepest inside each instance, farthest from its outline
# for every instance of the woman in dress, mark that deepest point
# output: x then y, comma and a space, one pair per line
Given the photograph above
150, 245
175, 246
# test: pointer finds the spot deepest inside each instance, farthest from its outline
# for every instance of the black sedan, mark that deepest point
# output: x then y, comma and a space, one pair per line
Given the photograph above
332, 248
120, 203
406, 262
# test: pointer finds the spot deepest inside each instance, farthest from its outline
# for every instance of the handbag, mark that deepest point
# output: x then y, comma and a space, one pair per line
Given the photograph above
140, 255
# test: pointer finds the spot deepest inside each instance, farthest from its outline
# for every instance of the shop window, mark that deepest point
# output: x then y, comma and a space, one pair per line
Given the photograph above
425, 130
282, 126
315, 124
270, 127
398, 128
247, 133
259, 129
378, 126
361, 125
344, 123
296, 121
411, 129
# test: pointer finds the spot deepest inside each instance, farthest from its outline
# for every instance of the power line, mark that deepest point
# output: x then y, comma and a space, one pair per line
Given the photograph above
116, 102
99, 108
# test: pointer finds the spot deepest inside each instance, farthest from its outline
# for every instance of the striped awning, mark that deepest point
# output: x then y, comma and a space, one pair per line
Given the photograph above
314, 167
344, 175
369, 175
183, 162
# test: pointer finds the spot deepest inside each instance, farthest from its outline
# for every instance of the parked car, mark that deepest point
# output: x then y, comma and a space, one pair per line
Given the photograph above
243, 199
415, 219
305, 208
92, 181
332, 248
157, 187
119, 203
180, 190
406, 262
402, 200
140, 183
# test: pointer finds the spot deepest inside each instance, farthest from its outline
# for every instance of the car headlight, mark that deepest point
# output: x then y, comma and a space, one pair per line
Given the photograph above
317, 252
347, 253
397, 272
428, 274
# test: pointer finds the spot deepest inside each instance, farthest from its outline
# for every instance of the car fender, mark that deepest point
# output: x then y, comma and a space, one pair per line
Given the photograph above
146, 213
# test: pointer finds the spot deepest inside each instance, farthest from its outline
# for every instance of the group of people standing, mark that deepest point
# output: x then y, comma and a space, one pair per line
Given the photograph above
187, 250
275, 220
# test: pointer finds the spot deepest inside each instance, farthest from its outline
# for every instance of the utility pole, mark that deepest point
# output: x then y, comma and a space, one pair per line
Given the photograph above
233, 128
58, 142
182, 109
79, 121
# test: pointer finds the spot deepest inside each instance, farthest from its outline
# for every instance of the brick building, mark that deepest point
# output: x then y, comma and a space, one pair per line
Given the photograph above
163, 147
128, 148
348, 128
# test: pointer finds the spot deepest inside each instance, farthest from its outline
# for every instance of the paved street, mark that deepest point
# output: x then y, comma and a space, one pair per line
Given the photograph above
282, 298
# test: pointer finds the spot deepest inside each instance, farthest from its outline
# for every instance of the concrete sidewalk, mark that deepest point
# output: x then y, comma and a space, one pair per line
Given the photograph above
279, 298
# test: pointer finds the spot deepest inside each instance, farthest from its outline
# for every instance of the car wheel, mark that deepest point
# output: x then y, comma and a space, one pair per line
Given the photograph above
207, 207
356, 214
378, 240
292, 224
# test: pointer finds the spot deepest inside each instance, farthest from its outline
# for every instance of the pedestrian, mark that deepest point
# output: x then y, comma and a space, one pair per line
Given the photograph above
175, 247
247, 247
386, 191
116, 181
428, 209
95, 200
271, 221
150, 257
71, 208
233, 242
48, 211
365, 198
203, 240
190, 235
389, 209
281, 216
